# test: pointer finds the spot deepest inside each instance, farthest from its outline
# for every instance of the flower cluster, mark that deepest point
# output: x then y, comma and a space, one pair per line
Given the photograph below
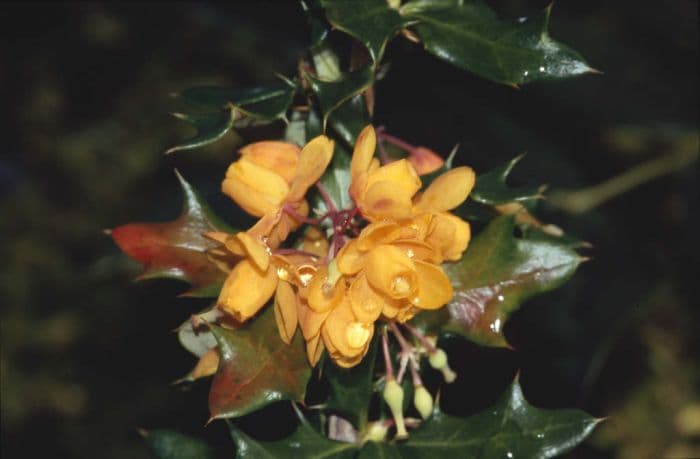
335, 290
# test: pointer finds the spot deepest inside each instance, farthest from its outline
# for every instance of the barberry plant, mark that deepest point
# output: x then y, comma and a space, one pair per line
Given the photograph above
362, 259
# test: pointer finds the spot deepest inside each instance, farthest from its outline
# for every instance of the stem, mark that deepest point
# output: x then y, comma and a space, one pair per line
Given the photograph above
299, 217
583, 200
421, 337
326, 197
383, 136
402, 368
405, 346
387, 358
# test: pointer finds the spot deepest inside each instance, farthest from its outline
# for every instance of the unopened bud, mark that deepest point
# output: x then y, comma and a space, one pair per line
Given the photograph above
376, 431
393, 396
423, 401
438, 360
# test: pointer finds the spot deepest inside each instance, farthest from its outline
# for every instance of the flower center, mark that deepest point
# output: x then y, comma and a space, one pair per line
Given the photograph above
400, 286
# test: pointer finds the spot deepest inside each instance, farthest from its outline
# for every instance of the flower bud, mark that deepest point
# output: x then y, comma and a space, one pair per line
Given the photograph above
438, 360
393, 396
423, 401
376, 431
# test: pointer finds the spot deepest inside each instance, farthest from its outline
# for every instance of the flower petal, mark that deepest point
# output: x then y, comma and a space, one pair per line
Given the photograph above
447, 191
254, 249
344, 333
434, 287
383, 200
314, 349
280, 157
207, 365
257, 190
378, 233
350, 258
461, 239
362, 155
246, 290
400, 173
391, 271
366, 303
313, 161
286, 311
325, 293
425, 160
310, 321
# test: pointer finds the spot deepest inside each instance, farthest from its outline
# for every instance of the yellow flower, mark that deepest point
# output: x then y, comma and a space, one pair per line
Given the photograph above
268, 177
273, 176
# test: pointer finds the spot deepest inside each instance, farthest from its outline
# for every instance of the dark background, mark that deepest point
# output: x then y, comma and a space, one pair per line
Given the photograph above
87, 356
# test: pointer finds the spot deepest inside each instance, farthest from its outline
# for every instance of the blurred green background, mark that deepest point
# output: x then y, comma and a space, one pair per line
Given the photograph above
88, 357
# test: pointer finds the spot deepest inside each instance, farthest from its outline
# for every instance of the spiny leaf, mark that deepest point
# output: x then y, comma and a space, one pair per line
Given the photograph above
372, 22
491, 188
167, 444
256, 368
262, 102
497, 273
176, 249
510, 428
332, 94
317, 23
210, 128
469, 35
350, 389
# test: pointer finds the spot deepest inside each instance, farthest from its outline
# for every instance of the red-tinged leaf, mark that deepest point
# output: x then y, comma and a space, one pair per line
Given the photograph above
497, 274
176, 249
256, 368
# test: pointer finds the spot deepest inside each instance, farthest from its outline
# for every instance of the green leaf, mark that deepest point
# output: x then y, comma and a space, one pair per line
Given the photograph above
511, 428
347, 121
305, 443
490, 187
263, 102
497, 273
256, 368
372, 22
210, 128
350, 389
317, 23
469, 35
177, 249
167, 444
332, 94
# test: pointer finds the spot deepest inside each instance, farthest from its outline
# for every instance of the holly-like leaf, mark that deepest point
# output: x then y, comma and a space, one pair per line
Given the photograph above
497, 273
509, 429
176, 249
317, 22
167, 444
350, 389
256, 368
210, 128
491, 188
332, 94
469, 35
262, 102
349, 119
372, 22
305, 443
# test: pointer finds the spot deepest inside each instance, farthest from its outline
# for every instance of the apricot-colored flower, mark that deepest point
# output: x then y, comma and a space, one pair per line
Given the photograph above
272, 176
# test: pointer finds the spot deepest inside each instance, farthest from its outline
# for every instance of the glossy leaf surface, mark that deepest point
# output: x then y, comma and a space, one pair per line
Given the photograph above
176, 249
372, 22
469, 35
497, 273
167, 444
256, 368
305, 443
332, 94
350, 389
511, 428
210, 128
261, 102
491, 187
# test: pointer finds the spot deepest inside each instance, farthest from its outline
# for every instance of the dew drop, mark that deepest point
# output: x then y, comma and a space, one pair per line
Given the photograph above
540, 436
282, 274
410, 253
526, 73
501, 298
541, 69
495, 326
509, 455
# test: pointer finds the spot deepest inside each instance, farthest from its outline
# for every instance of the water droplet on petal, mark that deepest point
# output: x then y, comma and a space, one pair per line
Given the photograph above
501, 298
495, 326
282, 274
410, 253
